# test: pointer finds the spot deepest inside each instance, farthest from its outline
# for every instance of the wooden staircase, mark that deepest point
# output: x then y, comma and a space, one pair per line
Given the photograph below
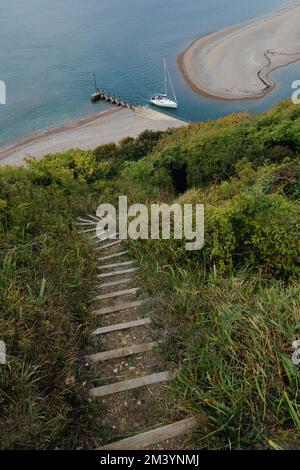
121, 309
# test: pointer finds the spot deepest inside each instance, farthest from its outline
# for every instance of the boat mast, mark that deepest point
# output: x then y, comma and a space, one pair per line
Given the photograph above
95, 83
172, 88
165, 76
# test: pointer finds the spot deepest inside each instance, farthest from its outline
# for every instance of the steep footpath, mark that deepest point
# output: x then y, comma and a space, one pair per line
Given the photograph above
129, 377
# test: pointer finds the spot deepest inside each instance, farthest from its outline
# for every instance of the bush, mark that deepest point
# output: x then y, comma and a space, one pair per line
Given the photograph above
257, 230
208, 153
135, 149
46, 280
230, 312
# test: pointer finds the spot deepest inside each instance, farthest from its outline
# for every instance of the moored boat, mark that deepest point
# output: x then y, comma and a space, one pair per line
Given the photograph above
162, 99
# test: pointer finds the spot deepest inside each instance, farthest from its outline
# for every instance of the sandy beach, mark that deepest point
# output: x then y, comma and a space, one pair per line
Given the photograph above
108, 126
236, 62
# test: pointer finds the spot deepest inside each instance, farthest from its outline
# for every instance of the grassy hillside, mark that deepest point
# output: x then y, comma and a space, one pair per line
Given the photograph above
229, 313
232, 312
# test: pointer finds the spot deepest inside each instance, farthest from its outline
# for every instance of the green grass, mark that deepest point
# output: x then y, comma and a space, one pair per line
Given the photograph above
46, 278
231, 338
228, 314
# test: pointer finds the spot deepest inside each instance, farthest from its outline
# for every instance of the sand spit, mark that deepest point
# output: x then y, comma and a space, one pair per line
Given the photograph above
236, 62
108, 126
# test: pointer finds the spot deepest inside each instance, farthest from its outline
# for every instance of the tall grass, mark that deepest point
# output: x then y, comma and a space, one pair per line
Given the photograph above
46, 279
229, 316
231, 338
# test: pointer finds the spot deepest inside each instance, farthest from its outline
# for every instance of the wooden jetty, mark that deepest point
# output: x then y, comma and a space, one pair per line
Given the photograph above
102, 95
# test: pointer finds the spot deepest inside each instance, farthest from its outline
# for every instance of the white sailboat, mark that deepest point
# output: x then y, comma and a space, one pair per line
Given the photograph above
162, 99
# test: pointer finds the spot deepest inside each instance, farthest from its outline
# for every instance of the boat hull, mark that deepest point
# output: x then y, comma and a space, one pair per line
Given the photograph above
164, 103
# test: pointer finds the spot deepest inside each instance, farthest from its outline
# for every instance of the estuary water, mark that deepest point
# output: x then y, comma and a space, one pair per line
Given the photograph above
50, 49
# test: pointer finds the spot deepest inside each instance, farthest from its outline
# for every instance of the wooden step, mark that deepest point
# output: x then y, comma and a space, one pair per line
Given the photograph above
117, 273
111, 237
87, 221
122, 326
109, 245
88, 230
116, 265
155, 436
86, 224
93, 237
93, 217
122, 352
130, 384
114, 283
96, 236
115, 255
119, 307
119, 293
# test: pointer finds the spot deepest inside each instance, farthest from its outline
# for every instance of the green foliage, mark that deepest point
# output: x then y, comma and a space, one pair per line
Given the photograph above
135, 149
249, 223
209, 152
46, 279
257, 230
231, 338
230, 312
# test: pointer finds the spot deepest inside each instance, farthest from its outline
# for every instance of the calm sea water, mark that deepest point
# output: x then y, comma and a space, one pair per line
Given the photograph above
49, 50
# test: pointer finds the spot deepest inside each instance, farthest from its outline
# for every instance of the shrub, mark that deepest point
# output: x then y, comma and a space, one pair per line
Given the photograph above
46, 280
